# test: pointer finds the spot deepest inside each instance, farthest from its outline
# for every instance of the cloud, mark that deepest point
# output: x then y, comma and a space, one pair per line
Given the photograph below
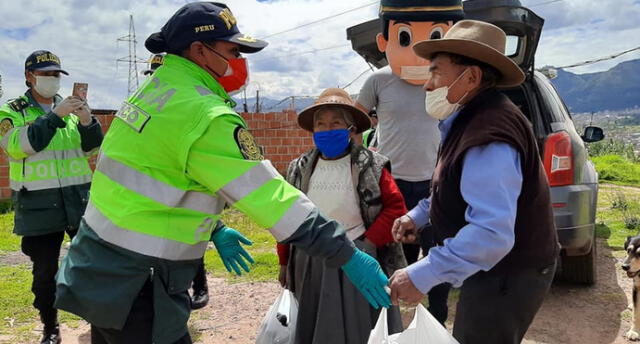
84, 35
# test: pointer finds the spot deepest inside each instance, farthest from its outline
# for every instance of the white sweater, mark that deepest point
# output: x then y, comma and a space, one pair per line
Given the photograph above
331, 190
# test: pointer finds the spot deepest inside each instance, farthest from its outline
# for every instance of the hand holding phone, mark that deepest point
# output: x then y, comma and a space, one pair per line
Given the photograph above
80, 90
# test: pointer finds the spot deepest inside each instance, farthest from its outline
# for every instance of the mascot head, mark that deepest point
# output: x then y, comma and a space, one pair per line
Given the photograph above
405, 22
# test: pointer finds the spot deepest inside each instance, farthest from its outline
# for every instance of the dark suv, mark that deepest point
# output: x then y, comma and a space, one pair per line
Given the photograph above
572, 176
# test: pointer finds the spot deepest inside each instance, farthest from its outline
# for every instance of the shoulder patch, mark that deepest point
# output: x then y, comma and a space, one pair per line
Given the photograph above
134, 116
247, 144
18, 104
5, 125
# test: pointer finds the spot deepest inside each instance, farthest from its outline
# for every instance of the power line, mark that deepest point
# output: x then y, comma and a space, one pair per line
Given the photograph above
320, 20
545, 3
357, 77
302, 53
588, 62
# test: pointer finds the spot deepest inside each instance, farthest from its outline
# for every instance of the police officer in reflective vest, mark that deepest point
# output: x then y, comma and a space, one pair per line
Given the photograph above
200, 295
48, 141
174, 156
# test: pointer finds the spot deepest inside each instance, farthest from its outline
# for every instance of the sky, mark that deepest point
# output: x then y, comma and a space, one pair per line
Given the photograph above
301, 62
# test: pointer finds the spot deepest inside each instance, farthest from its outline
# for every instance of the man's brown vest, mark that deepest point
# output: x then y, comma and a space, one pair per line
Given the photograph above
492, 117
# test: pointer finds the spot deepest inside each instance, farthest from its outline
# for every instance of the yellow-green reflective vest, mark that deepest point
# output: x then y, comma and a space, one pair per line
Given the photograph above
61, 163
143, 200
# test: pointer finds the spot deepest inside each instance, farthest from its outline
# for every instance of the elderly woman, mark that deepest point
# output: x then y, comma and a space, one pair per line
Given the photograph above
352, 185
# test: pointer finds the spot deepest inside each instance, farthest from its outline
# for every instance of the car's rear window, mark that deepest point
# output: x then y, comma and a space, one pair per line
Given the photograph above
552, 102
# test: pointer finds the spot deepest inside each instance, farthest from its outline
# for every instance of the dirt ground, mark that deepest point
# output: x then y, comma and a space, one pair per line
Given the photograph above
570, 314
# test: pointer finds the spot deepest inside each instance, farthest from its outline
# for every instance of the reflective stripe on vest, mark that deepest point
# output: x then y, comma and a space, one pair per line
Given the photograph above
50, 183
5, 140
50, 169
156, 190
141, 243
293, 218
258, 175
246, 183
57, 155
25, 145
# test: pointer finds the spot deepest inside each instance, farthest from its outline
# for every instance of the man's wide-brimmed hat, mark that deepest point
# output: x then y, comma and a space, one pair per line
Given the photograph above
480, 41
334, 97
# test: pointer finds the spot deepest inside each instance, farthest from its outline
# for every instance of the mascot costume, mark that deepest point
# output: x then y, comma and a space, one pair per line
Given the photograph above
405, 133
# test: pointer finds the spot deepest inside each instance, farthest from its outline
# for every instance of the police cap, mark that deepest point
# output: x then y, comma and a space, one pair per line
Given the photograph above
204, 22
43, 60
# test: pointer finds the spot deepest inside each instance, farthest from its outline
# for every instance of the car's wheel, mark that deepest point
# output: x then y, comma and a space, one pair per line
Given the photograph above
580, 269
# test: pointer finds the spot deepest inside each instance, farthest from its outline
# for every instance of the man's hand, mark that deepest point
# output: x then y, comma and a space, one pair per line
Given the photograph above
404, 230
84, 113
227, 241
366, 275
67, 106
282, 277
403, 289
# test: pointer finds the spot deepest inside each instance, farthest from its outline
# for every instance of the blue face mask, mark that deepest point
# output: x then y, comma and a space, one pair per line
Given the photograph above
332, 143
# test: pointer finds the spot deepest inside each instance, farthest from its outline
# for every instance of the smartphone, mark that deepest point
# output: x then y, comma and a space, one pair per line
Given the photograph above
80, 90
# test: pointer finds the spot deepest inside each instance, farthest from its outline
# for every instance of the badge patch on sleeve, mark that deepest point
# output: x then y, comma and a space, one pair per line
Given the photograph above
247, 144
5, 125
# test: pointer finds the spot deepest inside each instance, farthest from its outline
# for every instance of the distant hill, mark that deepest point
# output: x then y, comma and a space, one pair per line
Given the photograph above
273, 105
615, 89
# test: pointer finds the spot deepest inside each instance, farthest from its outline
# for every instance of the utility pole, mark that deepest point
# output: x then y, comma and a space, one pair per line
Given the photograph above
245, 107
132, 59
257, 101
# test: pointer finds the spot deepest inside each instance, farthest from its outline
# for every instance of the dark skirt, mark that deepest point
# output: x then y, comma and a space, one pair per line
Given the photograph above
331, 309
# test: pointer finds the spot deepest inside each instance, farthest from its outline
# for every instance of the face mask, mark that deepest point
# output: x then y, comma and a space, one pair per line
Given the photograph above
236, 75
414, 72
437, 104
47, 86
332, 143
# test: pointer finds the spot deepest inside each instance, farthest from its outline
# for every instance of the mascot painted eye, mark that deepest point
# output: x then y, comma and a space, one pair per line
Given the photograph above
404, 36
436, 33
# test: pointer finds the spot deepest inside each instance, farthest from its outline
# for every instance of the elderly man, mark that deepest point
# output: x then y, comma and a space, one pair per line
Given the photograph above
490, 204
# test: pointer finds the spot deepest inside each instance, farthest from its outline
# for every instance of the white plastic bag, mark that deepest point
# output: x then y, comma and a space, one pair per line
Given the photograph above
424, 329
279, 325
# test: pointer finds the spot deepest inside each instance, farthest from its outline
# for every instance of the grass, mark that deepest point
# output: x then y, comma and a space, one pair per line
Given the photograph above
616, 169
263, 251
9, 242
610, 220
19, 319
17, 316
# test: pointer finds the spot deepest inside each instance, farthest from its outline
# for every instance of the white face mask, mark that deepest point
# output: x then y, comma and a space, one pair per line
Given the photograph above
437, 104
47, 86
414, 72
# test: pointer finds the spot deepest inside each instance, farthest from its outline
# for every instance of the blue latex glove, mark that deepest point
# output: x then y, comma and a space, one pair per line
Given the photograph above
365, 273
227, 241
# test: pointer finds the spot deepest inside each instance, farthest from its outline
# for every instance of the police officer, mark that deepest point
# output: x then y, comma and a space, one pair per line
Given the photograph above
200, 294
174, 156
155, 61
48, 141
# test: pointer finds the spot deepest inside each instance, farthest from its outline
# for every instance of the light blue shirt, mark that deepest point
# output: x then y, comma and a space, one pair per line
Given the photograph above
491, 183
